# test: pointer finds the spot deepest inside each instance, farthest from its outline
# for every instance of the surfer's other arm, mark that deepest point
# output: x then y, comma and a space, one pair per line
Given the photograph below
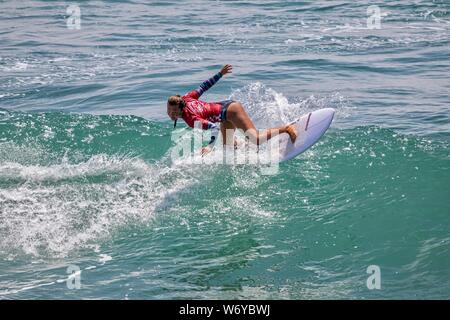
213, 128
210, 82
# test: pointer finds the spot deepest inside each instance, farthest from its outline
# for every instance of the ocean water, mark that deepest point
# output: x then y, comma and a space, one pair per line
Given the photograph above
92, 207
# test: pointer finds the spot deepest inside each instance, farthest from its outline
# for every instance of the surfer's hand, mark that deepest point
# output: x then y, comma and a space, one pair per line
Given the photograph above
237, 143
206, 150
226, 69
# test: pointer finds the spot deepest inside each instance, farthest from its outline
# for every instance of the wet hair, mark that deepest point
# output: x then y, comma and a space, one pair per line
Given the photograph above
176, 100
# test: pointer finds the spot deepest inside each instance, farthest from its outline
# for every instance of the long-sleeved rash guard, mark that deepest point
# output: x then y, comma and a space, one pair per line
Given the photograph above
207, 114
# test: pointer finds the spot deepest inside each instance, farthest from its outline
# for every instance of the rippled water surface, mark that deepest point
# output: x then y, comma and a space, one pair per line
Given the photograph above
86, 178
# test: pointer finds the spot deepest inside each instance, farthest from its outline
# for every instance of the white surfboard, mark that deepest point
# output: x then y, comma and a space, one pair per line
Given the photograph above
310, 128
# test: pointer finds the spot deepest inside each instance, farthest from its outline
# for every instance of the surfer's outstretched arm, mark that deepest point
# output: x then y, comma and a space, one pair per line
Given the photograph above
210, 82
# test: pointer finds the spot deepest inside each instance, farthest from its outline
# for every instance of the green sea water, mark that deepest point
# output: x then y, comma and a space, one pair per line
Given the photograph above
87, 180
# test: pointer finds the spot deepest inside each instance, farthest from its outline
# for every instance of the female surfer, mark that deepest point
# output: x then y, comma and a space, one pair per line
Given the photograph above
230, 114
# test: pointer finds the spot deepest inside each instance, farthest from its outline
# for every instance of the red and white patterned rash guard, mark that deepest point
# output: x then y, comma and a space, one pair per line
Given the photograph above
207, 114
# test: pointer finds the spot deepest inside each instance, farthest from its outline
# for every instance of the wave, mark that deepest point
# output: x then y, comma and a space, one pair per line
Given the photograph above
59, 194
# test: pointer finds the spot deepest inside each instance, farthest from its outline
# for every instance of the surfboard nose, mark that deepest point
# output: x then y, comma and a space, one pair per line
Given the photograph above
310, 128
322, 118
328, 112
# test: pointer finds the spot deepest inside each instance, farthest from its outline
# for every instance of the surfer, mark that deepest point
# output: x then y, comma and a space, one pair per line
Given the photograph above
229, 113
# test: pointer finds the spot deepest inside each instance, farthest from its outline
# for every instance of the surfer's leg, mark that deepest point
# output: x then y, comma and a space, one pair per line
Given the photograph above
227, 129
239, 117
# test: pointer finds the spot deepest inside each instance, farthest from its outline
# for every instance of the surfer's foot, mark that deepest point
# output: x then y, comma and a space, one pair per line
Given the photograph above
290, 130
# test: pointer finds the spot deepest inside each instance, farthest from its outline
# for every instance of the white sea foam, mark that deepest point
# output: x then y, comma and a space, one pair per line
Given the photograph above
57, 209
268, 107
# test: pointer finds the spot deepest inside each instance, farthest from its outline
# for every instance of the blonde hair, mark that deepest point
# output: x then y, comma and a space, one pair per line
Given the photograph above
176, 100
